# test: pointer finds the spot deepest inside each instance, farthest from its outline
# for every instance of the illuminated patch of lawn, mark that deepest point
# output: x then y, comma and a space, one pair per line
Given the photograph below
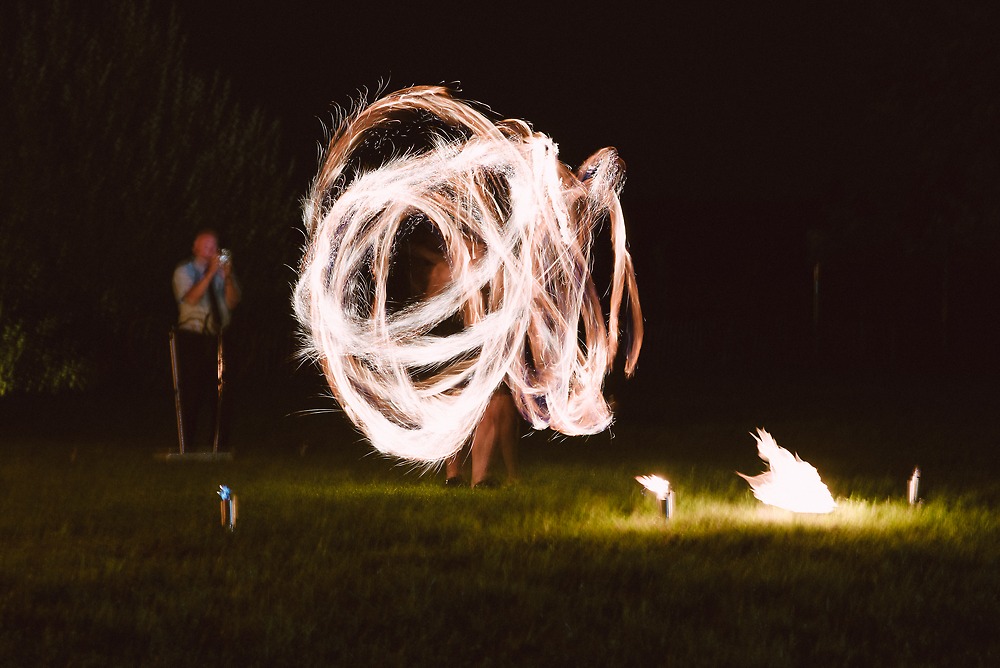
344, 559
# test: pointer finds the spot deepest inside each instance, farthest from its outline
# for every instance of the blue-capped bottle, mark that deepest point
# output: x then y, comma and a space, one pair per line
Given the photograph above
227, 507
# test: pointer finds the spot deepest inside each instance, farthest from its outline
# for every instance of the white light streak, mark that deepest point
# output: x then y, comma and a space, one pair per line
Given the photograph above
517, 230
791, 484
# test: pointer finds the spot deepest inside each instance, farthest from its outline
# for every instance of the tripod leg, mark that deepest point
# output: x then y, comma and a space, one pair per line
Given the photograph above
177, 389
220, 387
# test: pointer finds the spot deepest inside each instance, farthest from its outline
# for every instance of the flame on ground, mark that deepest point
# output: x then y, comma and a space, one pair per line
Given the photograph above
790, 484
655, 484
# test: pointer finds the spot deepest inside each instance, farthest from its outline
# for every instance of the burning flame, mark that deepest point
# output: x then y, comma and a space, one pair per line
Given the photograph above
517, 231
791, 484
655, 484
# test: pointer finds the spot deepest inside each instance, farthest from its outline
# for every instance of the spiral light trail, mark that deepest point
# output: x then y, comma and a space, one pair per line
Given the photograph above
516, 228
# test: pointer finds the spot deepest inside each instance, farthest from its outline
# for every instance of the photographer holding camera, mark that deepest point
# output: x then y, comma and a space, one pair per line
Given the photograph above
206, 291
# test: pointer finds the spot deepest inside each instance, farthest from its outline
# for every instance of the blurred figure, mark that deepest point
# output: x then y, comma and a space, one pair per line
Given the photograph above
206, 291
499, 428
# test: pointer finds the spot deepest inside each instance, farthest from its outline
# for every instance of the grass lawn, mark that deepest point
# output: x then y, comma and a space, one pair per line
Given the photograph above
339, 557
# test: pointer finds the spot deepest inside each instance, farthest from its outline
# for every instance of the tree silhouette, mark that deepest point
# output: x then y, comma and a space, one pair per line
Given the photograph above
920, 196
113, 154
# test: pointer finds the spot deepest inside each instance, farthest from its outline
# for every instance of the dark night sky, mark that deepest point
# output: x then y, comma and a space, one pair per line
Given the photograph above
739, 122
702, 100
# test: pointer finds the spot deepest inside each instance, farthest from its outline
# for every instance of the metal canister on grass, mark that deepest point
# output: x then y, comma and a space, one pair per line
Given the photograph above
666, 503
227, 507
913, 487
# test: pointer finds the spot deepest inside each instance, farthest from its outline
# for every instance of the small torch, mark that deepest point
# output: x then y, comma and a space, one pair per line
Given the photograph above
913, 487
663, 491
227, 507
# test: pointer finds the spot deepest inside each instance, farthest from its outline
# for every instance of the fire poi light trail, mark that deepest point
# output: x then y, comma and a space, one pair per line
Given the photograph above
516, 227
791, 484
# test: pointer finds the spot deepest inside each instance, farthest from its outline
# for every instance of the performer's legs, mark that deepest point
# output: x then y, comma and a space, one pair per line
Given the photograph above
509, 435
497, 427
482, 444
453, 466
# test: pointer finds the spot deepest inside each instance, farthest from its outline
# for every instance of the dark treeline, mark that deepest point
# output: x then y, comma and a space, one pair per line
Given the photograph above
113, 154
848, 147
913, 229
867, 228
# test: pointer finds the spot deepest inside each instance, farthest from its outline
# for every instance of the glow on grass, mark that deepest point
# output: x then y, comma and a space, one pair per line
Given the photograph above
715, 514
791, 483
516, 228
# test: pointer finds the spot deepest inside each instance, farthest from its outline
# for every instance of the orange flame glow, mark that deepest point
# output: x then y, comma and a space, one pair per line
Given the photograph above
655, 484
791, 484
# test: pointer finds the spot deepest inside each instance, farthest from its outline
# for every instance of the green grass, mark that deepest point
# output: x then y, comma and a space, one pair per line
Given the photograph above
110, 557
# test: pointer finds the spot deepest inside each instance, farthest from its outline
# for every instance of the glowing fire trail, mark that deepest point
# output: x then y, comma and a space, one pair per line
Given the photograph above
517, 229
791, 484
